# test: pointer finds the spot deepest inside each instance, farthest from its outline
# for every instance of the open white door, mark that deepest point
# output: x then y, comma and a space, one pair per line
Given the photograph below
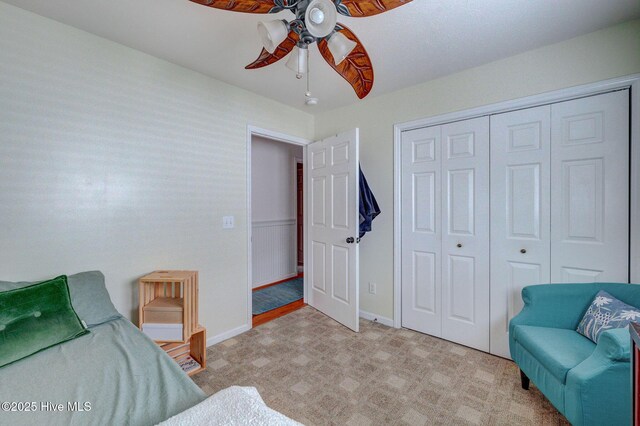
333, 188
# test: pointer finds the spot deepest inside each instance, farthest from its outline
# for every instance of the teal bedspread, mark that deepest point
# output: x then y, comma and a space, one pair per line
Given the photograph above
115, 371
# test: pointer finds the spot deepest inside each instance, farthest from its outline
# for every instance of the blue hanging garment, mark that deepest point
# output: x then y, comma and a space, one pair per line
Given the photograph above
368, 206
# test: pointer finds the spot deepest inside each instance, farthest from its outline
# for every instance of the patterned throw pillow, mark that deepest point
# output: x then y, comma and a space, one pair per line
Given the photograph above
606, 312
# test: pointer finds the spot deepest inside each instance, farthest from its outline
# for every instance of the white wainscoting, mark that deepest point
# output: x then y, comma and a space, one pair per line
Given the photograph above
274, 251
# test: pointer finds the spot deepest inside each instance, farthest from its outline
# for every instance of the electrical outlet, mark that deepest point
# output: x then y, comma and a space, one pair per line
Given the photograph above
372, 288
227, 222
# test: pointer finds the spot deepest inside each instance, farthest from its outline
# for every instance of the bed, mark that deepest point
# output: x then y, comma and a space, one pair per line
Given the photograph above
113, 375
121, 373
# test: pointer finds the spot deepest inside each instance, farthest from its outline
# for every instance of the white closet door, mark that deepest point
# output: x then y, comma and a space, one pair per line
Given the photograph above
520, 213
465, 232
590, 189
421, 254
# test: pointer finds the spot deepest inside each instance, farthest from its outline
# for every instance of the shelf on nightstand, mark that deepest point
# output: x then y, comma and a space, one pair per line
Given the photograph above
195, 348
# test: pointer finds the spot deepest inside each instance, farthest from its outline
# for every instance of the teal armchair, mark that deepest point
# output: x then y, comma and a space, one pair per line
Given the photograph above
588, 383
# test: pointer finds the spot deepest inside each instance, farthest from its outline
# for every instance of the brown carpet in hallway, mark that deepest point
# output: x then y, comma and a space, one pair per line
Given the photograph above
318, 372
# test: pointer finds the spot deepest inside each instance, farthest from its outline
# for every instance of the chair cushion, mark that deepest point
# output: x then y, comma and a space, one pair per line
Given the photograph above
557, 349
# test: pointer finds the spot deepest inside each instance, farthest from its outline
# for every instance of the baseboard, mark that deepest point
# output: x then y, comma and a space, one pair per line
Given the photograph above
377, 318
245, 327
227, 334
275, 281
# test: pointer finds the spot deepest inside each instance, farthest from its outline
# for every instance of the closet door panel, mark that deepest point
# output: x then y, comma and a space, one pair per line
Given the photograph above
590, 201
421, 252
520, 213
465, 233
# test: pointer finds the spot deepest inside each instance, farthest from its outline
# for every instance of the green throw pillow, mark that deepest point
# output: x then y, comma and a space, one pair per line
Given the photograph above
36, 317
89, 297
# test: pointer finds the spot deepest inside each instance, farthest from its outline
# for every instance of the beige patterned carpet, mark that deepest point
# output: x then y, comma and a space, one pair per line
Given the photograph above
317, 372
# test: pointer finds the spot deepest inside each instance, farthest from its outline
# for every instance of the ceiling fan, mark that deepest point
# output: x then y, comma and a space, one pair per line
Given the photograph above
315, 21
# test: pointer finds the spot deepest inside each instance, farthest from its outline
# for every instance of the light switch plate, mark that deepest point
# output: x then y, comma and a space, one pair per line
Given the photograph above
228, 222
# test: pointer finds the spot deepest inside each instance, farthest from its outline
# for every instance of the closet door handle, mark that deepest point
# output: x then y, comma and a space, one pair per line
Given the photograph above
350, 240
459, 245
523, 251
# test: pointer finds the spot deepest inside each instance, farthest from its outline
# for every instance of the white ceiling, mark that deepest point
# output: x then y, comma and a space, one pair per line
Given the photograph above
419, 41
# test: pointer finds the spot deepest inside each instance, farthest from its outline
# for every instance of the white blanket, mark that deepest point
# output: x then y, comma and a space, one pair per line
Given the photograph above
231, 406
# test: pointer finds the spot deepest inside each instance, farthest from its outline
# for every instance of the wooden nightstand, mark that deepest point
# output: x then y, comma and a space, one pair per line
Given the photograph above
168, 312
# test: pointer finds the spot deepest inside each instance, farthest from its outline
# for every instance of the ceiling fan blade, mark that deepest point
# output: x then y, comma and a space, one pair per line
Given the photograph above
355, 68
281, 51
361, 8
246, 6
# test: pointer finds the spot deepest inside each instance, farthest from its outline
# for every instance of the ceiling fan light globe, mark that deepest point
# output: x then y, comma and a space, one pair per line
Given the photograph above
297, 61
316, 16
321, 17
340, 47
272, 33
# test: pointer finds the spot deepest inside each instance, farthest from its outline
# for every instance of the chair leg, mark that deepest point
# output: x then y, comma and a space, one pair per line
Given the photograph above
524, 380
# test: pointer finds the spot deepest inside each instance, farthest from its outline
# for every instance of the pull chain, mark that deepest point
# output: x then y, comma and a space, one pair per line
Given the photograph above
308, 93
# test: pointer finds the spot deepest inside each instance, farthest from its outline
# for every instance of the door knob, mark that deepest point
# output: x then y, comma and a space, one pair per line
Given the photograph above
523, 251
350, 240
459, 245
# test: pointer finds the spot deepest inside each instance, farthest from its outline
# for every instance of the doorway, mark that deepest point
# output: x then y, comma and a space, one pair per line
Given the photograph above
276, 228
330, 223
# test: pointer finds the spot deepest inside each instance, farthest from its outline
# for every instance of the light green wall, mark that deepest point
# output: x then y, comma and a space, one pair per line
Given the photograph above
601, 55
112, 159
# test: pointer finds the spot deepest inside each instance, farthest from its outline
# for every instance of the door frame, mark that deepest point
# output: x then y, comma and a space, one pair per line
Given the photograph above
279, 137
297, 161
631, 82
